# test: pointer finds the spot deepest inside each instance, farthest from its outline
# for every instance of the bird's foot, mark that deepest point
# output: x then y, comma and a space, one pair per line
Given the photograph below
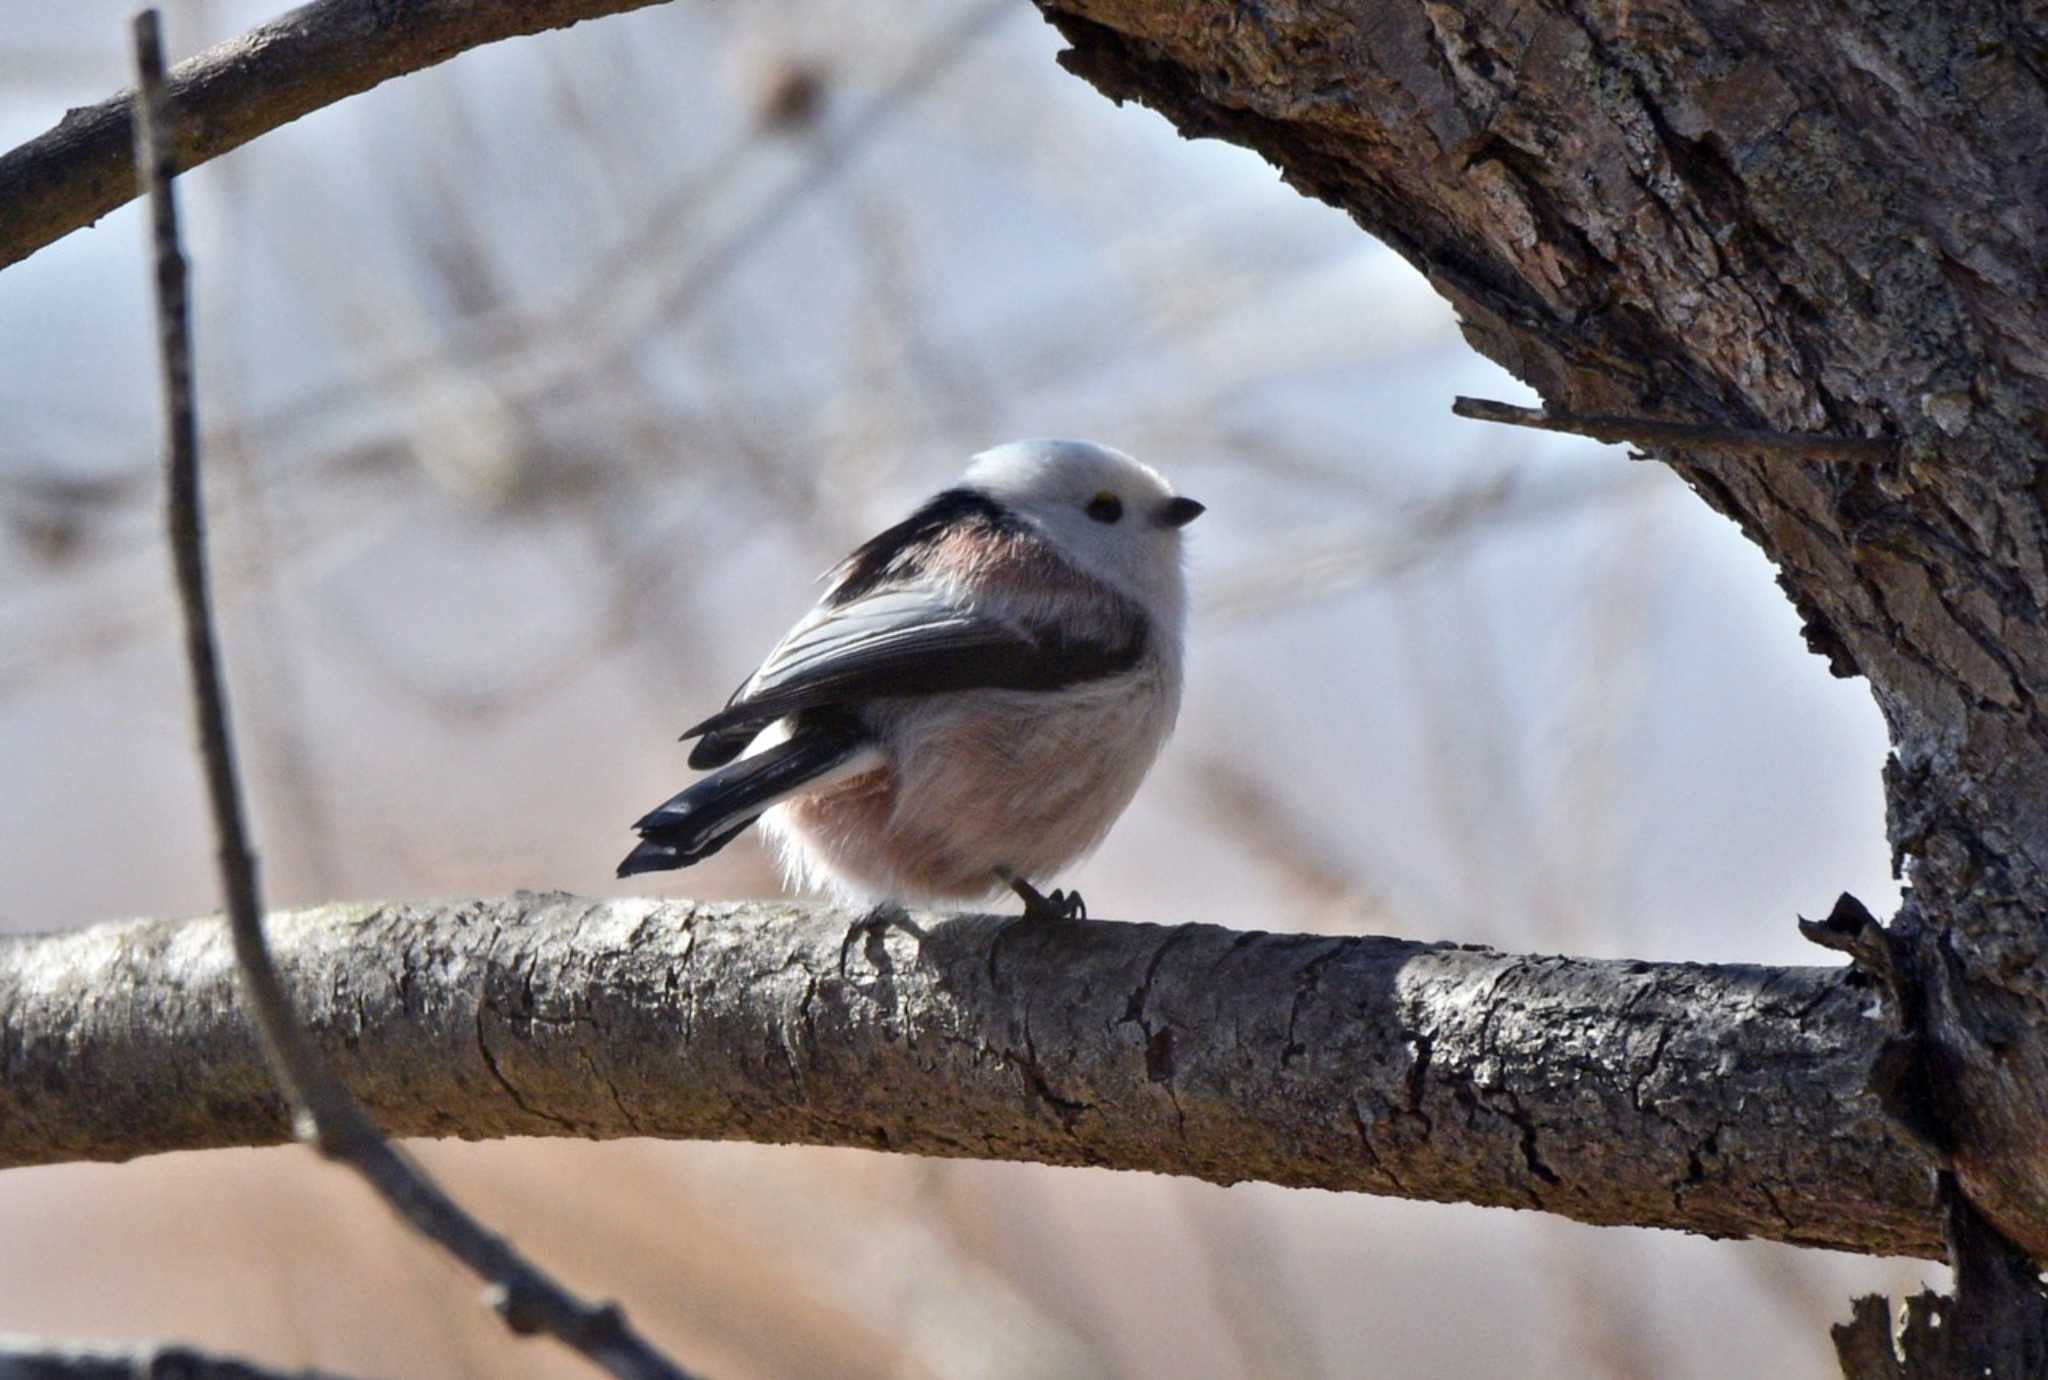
883, 917
1059, 906
871, 930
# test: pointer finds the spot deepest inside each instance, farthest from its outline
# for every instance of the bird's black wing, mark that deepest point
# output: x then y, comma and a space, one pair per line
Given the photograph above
689, 827
906, 640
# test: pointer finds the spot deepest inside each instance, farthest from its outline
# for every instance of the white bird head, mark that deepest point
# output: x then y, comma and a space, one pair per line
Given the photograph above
1114, 518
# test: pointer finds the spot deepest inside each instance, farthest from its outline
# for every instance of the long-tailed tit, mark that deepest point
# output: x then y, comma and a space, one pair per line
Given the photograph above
972, 703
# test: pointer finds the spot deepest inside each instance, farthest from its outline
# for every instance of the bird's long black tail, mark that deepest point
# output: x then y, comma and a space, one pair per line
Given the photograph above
690, 827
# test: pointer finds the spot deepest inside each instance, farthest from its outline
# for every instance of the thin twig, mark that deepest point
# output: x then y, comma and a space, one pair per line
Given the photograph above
324, 1113
1647, 431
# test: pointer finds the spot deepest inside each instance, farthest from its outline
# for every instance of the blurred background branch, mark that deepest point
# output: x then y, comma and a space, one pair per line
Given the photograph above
325, 1116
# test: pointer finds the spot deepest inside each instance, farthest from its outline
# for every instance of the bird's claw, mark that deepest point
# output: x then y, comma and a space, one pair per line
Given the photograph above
873, 928
1059, 906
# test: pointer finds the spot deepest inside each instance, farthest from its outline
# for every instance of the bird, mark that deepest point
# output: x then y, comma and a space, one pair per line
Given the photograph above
972, 702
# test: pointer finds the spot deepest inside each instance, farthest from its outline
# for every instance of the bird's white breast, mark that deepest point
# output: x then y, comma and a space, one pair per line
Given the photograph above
978, 780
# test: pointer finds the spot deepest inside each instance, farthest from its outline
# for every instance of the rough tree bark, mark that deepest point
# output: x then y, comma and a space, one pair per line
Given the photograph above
1730, 1101
1802, 216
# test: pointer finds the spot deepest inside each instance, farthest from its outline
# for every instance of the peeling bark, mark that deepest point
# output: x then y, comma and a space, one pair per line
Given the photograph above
1994, 1326
1792, 218
1729, 1101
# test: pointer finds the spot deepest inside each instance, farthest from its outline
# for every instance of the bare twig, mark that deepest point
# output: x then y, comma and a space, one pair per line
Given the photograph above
325, 1114
1647, 431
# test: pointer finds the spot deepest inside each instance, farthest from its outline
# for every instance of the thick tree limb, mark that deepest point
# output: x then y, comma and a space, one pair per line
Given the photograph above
316, 55
1724, 1100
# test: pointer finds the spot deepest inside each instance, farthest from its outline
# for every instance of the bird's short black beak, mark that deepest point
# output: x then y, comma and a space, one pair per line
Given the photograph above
1179, 512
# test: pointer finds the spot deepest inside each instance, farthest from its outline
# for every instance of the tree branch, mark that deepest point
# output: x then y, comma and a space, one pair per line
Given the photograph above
84, 167
1729, 1101
1650, 431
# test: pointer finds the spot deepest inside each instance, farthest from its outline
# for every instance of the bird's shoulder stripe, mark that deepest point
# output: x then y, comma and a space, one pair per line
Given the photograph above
954, 513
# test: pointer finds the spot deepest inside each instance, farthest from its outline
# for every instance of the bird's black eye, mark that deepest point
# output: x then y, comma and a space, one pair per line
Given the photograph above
1105, 507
